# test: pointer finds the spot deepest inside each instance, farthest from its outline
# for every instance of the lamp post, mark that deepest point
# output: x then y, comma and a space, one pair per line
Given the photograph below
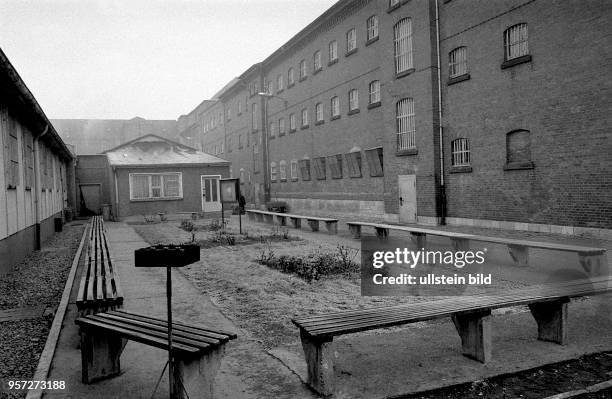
266, 147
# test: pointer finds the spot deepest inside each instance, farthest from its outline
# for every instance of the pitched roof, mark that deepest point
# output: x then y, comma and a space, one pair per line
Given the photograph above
152, 150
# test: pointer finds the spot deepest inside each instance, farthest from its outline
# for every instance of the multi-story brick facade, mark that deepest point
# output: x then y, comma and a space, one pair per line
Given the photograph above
344, 118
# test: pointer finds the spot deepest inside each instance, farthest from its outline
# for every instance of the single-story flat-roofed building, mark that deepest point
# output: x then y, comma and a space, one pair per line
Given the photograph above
151, 175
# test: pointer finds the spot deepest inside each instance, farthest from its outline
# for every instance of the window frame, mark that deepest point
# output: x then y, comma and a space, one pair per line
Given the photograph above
319, 117
372, 29
316, 62
303, 70
353, 98
332, 52
162, 196
405, 117
305, 118
460, 152
374, 96
351, 38
335, 107
403, 50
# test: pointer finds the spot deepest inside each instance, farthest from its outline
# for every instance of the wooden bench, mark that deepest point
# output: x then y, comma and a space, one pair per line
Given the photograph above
296, 220
592, 259
99, 288
470, 314
197, 351
193, 215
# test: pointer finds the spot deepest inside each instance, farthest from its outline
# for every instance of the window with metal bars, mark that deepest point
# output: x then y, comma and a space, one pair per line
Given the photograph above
515, 42
460, 152
457, 62
402, 40
405, 121
372, 27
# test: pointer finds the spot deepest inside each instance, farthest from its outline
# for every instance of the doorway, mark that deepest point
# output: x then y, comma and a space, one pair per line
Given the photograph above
91, 199
211, 198
407, 198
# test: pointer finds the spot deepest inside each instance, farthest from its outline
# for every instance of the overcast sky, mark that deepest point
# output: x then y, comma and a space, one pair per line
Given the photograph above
150, 58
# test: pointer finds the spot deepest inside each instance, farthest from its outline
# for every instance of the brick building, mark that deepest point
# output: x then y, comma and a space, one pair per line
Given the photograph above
431, 111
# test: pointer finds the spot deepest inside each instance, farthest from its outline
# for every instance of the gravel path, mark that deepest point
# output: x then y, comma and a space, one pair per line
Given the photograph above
37, 281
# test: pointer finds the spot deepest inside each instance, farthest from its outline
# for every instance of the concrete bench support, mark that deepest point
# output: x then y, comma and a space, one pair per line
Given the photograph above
296, 222
260, 217
269, 218
319, 355
314, 224
594, 265
475, 332
460, 244
419, 239
519, 254
332, 227
355, 230
282, 220
197, 375
552, 320
100, 354
382, 233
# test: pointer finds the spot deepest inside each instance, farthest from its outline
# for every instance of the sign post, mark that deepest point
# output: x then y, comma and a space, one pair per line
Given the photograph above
230, 193
168, 256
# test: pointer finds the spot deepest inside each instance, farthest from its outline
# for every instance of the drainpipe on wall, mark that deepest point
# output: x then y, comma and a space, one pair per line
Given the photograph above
442, 188
37, 186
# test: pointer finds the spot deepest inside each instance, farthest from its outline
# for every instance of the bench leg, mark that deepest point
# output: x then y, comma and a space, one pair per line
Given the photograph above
282, 220
314, 224
100, 353
355, 231
552, 320
460, 244
197, 375
332, 227
296, 222
419, 239
519, 254
382, 233
251, 216
593, 265
475, 332
320, 362
260, 217
269, 218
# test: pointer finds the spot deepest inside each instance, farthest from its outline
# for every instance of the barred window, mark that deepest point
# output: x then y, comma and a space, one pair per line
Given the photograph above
303, 69
515, 41
374, 91
292, 124
146, 186
406, 129
351, 40
402, 39
272, 130
304, 117
457, 62
280, 84
460, 152
281, 126
319, 166
304, 165
319, 112
353, 163
294, 169
317, 60
335, 106
335, 166
290, 77
372, 27
374, 157
283, 170
333, 51
353, 100
273, 171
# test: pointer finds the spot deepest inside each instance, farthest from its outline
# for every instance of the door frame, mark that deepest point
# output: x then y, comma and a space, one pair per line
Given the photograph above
399, 192
202, 198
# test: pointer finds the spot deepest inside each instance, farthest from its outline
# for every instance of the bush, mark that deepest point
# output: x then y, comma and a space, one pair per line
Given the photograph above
187, 225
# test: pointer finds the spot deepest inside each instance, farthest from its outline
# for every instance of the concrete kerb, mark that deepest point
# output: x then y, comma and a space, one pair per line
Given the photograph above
44, 363
590, 389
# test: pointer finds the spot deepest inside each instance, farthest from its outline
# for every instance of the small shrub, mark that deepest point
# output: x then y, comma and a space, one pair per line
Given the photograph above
188, 225
149, 218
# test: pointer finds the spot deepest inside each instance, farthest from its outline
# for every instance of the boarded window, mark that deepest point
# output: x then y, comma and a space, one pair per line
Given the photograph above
353, 163
518, 147
335, 166
304, 169
319, 167
374, 158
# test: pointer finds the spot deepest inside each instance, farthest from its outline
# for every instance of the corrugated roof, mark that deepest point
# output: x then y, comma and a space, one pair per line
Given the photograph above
151, 150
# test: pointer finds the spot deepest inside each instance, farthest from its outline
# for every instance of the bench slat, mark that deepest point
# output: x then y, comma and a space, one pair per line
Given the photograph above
81, 293
214, 333
291, 215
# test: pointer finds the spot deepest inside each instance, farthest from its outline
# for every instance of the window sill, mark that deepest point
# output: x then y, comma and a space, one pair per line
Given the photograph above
317, 123
254, 130
410, 151
240, 148
374, 105
516, 61
457, 79
11, 187
305, 179
283, 180
256, 172
372, 40
272, 137
461, 169
292, 131
290, 85
519, 165
28, 188
319, 69
303, 78
332, 62
156, 199
321, 178
336, 177
304, 127
281, 134
239, 113
333, 118
272, 180
351, 52
404, 73
353, 111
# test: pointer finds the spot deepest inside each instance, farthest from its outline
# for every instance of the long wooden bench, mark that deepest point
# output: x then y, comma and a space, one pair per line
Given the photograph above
592, 259
296, 220
99, 288
470, 314
197, 351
